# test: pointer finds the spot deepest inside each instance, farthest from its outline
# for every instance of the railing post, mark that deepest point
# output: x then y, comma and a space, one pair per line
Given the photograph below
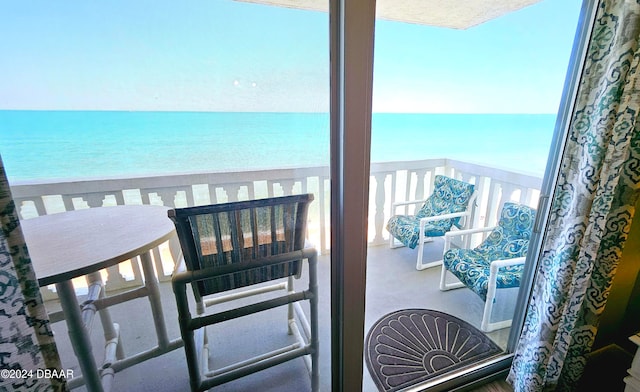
115, 280
232, 191
68, 202
379, 207
212, 193
38, 203
420, 174
94, 199
119, 198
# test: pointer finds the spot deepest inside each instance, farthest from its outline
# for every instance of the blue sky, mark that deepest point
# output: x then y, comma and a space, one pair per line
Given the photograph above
222, 55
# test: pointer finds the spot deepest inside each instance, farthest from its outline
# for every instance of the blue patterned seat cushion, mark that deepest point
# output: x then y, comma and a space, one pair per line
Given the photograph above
508, 240
449, 196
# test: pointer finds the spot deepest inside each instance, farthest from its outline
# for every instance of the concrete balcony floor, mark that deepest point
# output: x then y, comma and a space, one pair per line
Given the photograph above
393, 283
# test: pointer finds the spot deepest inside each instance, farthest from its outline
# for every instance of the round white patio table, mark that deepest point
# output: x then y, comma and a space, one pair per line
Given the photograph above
72, 244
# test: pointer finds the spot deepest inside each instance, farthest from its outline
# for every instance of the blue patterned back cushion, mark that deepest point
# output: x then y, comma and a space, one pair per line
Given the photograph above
511, 237
449, 196
508, 240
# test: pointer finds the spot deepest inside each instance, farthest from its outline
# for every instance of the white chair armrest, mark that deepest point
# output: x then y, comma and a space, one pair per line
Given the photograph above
497, 264
405, 203
434, 218
469, 231
450, 234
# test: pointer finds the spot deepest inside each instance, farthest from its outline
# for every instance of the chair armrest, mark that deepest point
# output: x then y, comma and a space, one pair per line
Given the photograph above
497, 264
207, 273
405, 203
450, 234
493, 273
434, 218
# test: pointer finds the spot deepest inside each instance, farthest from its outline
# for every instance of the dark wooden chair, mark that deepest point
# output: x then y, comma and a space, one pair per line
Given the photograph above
229, 247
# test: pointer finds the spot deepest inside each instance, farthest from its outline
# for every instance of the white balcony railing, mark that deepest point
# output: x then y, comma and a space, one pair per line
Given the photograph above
390, 182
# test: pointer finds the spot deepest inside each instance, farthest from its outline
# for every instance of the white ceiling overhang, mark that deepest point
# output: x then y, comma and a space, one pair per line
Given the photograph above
455, 14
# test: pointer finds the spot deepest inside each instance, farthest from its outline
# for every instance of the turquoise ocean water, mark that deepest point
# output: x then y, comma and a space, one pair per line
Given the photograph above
69, 144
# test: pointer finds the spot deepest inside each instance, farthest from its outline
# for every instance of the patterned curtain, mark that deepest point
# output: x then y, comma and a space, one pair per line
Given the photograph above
592, 208
27, 347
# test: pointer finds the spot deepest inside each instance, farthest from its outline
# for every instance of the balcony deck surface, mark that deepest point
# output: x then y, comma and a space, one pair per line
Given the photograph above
393, 283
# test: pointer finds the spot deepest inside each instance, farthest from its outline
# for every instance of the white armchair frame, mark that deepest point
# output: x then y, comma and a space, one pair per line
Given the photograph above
486, 324
466, 215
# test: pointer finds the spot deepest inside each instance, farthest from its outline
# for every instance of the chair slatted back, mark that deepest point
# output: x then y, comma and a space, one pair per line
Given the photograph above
240, 234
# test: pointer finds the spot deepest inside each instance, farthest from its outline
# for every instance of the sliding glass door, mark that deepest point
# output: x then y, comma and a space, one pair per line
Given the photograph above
465, 106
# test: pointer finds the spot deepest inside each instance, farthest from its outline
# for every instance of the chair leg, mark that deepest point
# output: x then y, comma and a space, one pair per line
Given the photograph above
393, 243
201, 340
314, 339
290, 309
487, 325
444, 286
420, 265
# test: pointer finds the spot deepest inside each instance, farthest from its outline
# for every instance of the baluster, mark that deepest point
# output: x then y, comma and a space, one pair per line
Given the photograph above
420, 185
168, 196
379, 207
153, 197
507, 194
527, 197
38, 203
137, 274
146, 196
68, 202
176, 193
25, 209
232, 191
119, 198
213, 197
407, 189
242, 188
189, 195
94, 199
275, 188
47, 294
493, 203
394, 181
479, 214
115, 280
251, 191
287, 186
469, 179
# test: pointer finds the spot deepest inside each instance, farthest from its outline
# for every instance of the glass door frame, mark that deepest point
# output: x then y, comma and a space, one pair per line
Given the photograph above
351, 46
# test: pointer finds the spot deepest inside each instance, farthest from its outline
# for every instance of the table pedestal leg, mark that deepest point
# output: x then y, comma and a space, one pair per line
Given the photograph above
151, 282
78, 335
